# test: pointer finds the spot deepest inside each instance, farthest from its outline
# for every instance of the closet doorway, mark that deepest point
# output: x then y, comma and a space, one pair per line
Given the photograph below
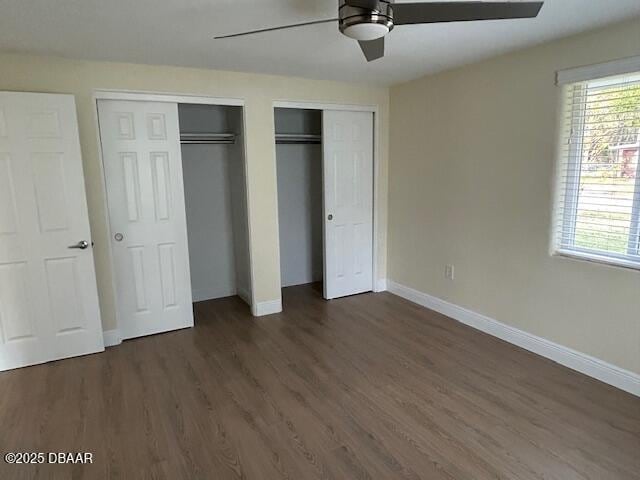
176, 196
213, 167
299, 172
325, 171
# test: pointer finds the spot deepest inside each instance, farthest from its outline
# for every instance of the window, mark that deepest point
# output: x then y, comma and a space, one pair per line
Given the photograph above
598, 199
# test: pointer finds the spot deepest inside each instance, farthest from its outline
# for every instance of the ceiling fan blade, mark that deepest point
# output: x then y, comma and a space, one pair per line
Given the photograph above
372, 49
271, 29
437, 12
368, 4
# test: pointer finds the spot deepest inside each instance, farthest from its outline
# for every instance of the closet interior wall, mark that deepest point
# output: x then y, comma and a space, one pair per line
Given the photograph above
299, 172
215, 200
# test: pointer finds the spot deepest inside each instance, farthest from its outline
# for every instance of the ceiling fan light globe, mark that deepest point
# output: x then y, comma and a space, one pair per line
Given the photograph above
366, 31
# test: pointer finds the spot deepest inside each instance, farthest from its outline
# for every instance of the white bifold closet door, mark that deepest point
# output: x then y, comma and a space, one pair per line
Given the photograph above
348, 202
48, 295
145, 194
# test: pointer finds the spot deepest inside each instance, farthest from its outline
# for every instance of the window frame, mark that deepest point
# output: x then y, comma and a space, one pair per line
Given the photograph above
575, 82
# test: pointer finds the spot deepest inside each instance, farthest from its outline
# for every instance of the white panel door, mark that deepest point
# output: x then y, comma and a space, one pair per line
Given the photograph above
348, 202
145, 192
48, 294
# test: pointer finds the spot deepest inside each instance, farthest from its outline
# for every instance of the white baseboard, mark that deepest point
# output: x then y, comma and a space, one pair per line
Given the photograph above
266, 308
581, 362
381, 285
204, 294
244, 295
112, 338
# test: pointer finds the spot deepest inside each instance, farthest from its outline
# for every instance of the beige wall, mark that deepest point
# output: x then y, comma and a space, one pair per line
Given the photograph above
48, 74
470, 184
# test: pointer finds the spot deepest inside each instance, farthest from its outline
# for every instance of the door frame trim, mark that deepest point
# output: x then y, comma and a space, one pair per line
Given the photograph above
167, 97
375, 109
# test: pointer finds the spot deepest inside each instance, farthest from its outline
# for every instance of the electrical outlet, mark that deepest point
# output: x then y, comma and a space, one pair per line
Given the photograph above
449, 272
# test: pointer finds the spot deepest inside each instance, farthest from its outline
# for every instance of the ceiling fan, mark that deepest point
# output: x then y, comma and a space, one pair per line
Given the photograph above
368, 21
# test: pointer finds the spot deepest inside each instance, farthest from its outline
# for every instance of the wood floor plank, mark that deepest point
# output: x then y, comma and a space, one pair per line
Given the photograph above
364, 387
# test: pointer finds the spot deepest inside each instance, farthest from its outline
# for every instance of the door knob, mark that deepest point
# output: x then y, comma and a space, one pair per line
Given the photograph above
118, 237
330, 217
82, 245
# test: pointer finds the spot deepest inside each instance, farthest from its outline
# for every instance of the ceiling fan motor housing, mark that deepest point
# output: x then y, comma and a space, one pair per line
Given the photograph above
366, 24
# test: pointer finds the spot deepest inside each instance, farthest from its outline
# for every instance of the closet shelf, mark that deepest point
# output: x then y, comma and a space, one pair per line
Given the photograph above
207, 138
297, 138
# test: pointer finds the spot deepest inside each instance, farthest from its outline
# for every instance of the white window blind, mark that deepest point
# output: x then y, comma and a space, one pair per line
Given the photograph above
598, 199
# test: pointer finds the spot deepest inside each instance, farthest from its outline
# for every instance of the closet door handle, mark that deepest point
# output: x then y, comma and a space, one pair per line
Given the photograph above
330, 217
81, 245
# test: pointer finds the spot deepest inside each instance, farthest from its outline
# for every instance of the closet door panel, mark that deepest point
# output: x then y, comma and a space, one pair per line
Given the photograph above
145, 193
348, 202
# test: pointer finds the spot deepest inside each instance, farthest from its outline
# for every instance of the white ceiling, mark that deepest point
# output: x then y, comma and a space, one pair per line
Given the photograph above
179, 32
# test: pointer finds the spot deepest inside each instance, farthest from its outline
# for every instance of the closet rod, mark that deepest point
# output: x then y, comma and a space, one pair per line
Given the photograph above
207, 138
298, 138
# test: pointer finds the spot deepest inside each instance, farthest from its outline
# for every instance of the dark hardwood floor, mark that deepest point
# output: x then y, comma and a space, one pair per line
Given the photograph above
366, 387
